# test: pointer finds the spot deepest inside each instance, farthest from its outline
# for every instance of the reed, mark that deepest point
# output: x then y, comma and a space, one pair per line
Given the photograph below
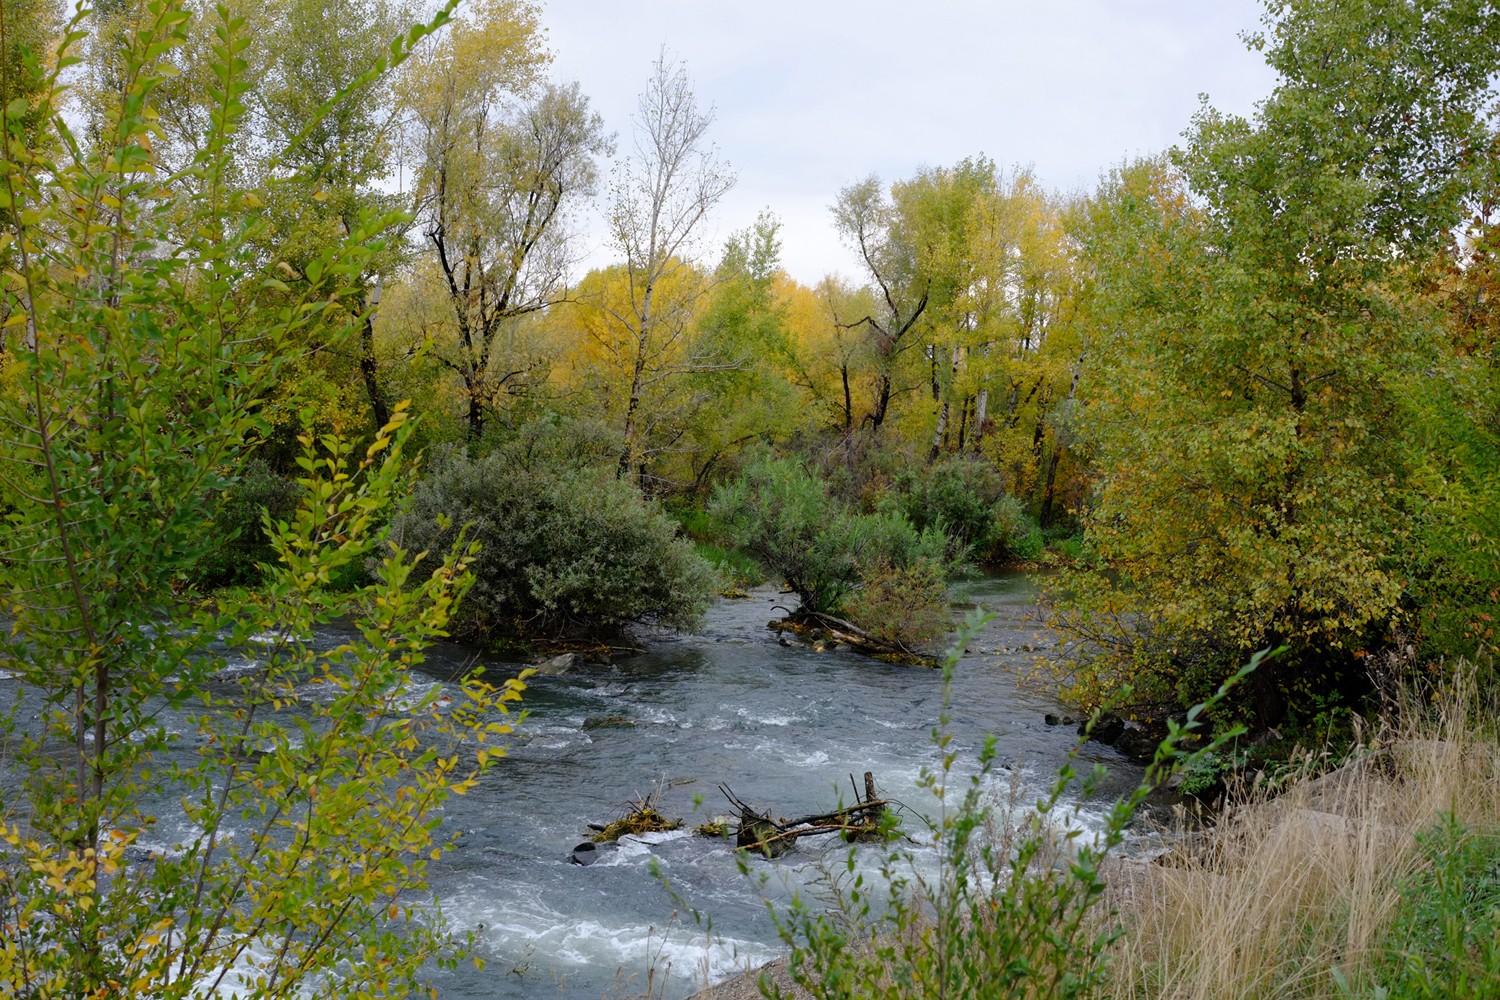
1312, 891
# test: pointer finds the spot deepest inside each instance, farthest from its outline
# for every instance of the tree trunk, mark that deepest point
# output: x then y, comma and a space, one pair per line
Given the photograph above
370, 373
633, 405
476, 407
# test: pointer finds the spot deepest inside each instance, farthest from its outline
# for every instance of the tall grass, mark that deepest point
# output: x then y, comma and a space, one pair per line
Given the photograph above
1380, 879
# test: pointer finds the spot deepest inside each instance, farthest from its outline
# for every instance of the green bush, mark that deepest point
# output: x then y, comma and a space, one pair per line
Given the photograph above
1444, 939
1015, 534
238, 513
902, 605
957, 495
782, 514
562, 550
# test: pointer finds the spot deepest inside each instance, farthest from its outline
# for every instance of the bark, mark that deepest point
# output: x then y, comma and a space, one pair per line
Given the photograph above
772, 838
369, 372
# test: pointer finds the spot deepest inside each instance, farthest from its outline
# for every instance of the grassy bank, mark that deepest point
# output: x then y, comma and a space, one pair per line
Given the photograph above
1379, 878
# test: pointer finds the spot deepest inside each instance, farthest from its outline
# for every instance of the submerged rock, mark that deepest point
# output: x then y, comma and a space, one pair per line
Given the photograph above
1128, 737
607, 722
561, 664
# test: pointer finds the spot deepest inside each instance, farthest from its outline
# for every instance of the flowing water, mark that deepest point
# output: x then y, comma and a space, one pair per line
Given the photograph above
781, 724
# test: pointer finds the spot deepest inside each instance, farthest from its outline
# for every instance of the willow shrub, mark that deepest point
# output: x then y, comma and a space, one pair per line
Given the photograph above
958, 496
784, 515
1010, 912
562, 549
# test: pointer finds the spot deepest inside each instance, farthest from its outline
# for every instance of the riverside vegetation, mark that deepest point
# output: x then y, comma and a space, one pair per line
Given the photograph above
1245, 395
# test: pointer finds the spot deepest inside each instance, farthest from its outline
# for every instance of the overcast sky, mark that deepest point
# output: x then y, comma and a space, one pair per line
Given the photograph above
813, 95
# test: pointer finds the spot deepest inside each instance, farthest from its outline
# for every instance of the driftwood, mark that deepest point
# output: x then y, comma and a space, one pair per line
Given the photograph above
774, 837
815, 623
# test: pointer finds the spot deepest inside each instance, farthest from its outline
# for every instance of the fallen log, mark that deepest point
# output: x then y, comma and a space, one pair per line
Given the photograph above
772, 838
819, 625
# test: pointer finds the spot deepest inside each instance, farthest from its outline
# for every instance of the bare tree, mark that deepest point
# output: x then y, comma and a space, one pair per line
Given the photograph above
662, 191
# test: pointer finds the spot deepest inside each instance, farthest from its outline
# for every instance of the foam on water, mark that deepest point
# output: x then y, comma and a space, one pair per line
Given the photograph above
763, 718
536, 937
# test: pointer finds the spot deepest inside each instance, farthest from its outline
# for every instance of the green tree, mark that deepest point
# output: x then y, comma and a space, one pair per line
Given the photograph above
748, 398
503, 156
870, 224
1259, 324
27, 31
1455, 436
288, 842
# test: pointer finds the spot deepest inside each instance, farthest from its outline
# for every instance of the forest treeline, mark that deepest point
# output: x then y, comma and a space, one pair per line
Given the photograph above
290, 330
1247, 388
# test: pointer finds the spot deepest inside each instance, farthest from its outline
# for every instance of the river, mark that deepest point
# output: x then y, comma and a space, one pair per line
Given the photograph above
783, 726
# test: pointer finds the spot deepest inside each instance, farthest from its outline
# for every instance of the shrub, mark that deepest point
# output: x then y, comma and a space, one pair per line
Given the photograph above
1015, 534
1444, 939
958, 495
902, 605
562, 551
781, 513
239, 512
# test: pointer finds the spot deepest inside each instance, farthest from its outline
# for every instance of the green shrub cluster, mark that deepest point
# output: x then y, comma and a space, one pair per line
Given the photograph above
957, 495
902, 605
1444, 939
1015, 535
563, 549
781, 513
239, 513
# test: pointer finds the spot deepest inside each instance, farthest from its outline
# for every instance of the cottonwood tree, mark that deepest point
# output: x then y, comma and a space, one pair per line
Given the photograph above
869, 222
661, 194
503, 156
171, 826
1261, 326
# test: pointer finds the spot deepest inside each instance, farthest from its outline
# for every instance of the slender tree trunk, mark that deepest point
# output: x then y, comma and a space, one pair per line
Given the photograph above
369, 371
848, 400
628, 452
476, 407
1047, 488
938, 433
876, 416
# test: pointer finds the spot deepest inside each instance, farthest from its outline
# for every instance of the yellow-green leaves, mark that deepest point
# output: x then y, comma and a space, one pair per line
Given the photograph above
147, 334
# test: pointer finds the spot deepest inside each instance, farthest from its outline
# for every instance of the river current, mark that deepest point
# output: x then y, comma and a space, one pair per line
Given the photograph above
783, 725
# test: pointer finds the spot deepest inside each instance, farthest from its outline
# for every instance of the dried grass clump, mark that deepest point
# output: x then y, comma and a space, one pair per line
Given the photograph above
1289, 895
642, 817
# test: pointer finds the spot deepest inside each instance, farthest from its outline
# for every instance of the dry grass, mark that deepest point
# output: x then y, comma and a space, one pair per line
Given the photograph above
642, 816
1288, 889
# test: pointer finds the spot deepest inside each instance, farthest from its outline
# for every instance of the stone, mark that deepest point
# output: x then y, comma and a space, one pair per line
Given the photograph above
561, 664
607, 722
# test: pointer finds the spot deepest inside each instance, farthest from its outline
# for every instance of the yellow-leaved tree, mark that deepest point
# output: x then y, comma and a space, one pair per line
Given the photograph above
199, 800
